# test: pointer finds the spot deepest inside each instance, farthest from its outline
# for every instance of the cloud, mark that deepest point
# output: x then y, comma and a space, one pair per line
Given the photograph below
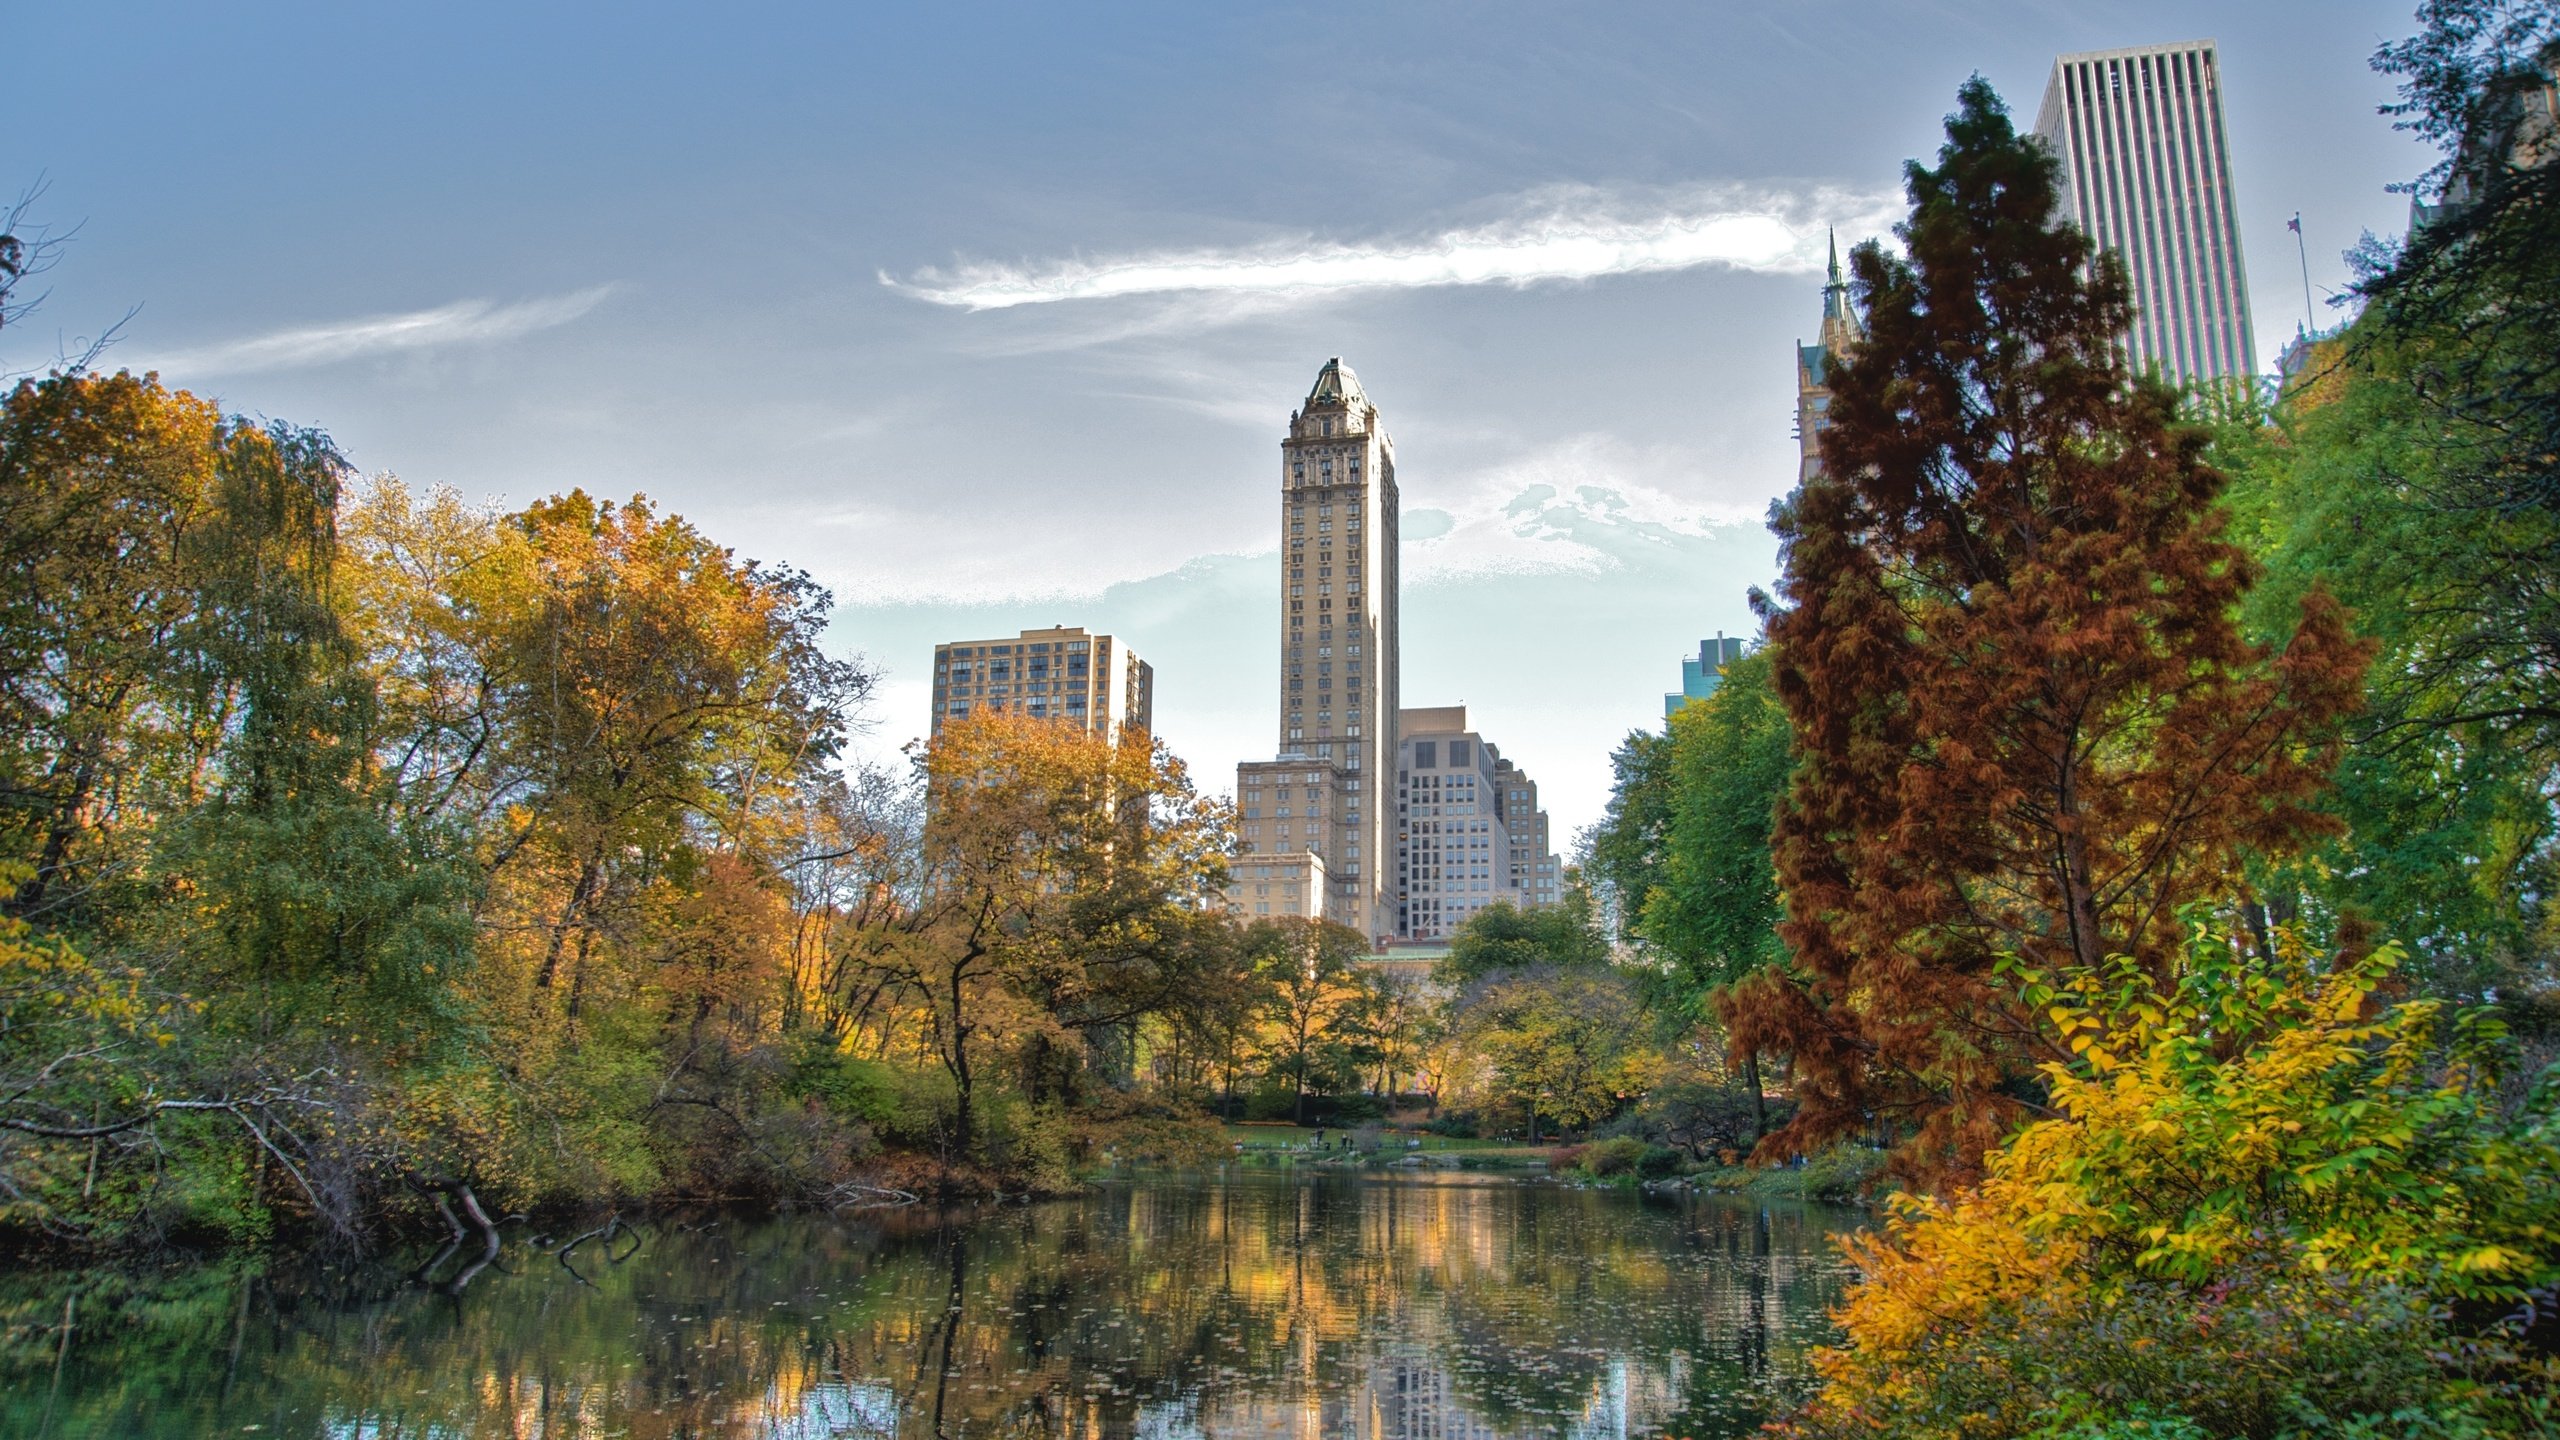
464, 322
1584, 505
1578, 234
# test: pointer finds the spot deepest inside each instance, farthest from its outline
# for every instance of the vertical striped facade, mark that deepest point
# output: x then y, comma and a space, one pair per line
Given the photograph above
2147, 174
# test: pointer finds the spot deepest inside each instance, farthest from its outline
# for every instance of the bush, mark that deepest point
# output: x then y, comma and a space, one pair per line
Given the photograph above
1454, 1127
1271, 1103
2270, 1205
2256, 1356
1705, 1116
1346, 1109
1843, 1174
1621, 1156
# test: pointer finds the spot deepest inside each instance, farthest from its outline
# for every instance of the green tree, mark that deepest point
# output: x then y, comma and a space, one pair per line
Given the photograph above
1711, 919
1502, 937
2446, 827
2462, 316
1625, 862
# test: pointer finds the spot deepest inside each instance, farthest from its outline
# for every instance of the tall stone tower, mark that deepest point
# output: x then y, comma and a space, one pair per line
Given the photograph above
2146, 172
1840, 330
1321, 813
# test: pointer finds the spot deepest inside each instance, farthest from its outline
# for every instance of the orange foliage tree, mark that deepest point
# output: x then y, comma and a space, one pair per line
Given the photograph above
2027, 720
1067, 887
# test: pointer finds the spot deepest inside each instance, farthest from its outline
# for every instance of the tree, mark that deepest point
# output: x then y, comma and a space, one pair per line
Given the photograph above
1066, 886
1502, 936
1315, 997
2026, 718
2462, 316
1563, 1043
108, 485
1711, 920
2446, 828
1626, 846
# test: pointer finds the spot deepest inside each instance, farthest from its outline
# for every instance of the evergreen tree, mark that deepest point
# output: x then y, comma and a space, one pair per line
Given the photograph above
2027, 720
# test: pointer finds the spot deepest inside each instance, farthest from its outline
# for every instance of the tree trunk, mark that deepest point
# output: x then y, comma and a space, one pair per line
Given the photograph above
1759, 1100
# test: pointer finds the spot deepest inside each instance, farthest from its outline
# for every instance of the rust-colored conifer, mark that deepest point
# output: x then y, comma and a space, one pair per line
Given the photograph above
2027, 720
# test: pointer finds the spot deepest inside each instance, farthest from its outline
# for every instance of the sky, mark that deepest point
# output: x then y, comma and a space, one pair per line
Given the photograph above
992, 316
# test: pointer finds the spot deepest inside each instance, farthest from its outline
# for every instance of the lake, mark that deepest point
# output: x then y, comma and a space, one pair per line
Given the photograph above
1274, 1306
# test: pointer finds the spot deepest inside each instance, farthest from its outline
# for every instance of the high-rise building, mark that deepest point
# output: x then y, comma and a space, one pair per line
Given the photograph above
1469, 831
1325, 796
1061, 673
1840, 329
2146, 173
1699, 677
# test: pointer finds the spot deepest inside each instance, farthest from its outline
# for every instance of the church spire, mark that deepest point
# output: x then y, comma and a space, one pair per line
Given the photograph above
1835, 294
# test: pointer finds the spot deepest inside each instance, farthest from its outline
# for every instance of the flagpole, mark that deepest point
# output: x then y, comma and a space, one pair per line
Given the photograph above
2310, 316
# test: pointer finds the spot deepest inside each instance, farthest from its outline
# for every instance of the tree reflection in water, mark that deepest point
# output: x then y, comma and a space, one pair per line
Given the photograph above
1414, 1309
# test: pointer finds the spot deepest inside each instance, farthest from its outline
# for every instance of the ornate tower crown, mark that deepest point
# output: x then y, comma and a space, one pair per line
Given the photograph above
1336, 385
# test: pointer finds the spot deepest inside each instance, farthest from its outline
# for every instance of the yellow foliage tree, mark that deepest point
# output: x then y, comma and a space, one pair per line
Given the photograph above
2262, 1127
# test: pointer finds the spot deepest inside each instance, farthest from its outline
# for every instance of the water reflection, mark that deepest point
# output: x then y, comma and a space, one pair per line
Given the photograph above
1264, 1308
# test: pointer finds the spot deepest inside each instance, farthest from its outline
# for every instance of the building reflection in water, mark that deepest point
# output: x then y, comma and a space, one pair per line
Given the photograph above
1265, 1307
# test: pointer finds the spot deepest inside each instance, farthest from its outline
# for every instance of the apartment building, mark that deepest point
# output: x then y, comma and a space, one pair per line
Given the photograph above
1699, 677
1061, 673
1469, 831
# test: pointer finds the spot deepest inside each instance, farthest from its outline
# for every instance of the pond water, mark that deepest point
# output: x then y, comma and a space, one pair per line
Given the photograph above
1269, 1306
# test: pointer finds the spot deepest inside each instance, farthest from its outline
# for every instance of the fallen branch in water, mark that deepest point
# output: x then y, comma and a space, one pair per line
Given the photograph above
614, 1225
444, 1191
852, 1195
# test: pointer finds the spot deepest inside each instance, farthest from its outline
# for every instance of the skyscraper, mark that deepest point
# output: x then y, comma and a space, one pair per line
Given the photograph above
2146, 172
1699, 677
1326, 795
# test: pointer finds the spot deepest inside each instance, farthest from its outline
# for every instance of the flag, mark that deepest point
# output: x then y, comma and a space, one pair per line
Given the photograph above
2295, 224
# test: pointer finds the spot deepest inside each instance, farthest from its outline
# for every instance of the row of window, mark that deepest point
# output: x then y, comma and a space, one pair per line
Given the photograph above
1039, 647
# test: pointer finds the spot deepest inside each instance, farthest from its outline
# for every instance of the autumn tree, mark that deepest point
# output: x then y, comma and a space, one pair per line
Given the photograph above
2027, 721
1566, 1044
1066, 885
108, 484
1314, 999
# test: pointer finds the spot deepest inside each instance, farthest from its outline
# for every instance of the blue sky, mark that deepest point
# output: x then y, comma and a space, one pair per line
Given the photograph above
992, 315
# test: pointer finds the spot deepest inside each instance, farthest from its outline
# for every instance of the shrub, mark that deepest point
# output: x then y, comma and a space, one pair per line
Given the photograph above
2263, 1191
1620, 1156
1659, 1162
1455, 1127
1842, 1174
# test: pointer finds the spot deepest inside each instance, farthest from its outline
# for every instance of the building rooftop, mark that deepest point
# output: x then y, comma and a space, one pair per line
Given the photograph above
1336, 385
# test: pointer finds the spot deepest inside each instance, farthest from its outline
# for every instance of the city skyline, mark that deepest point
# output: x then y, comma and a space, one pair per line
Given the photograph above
977, 318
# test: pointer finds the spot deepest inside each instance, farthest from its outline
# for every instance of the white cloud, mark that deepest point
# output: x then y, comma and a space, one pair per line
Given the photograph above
1584, 505
464, 322
1580, 234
